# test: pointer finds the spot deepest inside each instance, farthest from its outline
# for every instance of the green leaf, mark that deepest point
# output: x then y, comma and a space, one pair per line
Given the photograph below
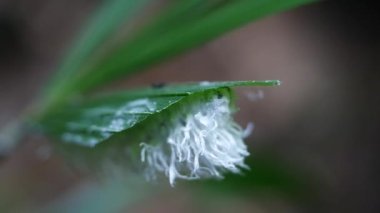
104, 23
180, 26
161, 44
97, 119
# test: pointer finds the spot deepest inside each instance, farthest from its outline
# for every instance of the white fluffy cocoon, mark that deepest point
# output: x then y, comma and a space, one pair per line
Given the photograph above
205, 143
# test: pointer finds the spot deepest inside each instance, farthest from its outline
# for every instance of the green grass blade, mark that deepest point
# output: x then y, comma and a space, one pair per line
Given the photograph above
103, 132
96, 119
185, 26
111, 15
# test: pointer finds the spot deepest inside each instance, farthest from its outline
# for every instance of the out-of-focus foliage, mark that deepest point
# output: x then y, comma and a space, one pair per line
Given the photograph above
99, 58
266, 174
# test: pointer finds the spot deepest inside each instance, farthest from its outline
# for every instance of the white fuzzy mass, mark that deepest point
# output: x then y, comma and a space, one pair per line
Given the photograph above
206, 143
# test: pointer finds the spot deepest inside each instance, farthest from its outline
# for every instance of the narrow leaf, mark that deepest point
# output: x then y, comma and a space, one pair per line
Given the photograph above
105, 22
94, 120
137, 55
182, 26
182, 131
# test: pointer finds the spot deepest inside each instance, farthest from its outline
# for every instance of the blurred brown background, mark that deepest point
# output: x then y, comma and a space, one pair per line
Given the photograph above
324, 118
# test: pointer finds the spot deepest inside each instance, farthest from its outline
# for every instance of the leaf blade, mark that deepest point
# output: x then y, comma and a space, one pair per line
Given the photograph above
165, 39
151, 51
97, 119
100, 27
